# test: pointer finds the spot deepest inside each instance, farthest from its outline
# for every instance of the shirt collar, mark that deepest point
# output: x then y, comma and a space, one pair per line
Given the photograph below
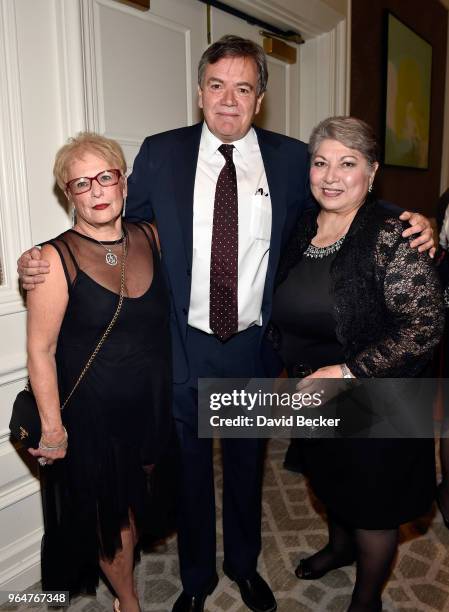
209, 143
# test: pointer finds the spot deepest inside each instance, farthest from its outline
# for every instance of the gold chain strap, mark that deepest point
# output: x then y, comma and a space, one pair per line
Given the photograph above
109, 327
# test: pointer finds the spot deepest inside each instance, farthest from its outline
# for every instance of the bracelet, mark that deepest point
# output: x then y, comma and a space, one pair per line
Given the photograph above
345, 371
51, 447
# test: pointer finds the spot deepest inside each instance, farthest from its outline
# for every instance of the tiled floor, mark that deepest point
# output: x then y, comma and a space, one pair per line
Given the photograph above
291, 529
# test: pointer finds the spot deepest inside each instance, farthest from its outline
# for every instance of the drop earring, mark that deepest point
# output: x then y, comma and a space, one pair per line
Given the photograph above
73, 216
370, 188
124, 206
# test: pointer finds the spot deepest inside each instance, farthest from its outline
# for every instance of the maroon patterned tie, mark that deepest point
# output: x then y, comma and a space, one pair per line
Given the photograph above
223, 313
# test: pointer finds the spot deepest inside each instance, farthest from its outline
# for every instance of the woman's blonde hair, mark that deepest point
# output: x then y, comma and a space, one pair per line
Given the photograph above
87, 142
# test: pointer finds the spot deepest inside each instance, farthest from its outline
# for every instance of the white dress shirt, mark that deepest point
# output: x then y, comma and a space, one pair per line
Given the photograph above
254, 232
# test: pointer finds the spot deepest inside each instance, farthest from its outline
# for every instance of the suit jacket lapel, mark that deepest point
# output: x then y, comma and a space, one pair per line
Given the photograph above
277, 182
184, 162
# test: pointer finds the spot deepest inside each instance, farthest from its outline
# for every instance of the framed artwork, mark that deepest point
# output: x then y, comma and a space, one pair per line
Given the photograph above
408, 88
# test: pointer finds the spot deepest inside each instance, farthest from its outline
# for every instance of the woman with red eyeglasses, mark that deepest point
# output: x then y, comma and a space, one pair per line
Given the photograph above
102, 319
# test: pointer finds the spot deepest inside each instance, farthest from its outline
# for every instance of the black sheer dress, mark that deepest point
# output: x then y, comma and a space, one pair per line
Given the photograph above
119, 419
339, 307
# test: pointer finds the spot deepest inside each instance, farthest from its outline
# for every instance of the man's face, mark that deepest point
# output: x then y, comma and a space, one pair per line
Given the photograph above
228, 97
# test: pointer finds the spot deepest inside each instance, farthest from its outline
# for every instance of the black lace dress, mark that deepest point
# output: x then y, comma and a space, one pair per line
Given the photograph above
119, 419
376, 305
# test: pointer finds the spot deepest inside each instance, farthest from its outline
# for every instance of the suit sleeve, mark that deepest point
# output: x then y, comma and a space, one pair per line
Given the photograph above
301, 169
308, 202
138, 203
391, 208
299, 197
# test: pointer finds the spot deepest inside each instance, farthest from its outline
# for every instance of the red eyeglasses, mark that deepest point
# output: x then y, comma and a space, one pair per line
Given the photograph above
105, 178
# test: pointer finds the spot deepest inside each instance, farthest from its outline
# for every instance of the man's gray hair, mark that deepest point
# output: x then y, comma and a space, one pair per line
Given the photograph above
353, 133
235, 46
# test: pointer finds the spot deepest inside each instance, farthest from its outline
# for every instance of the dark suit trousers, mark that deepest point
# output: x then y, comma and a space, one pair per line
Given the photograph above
242, 468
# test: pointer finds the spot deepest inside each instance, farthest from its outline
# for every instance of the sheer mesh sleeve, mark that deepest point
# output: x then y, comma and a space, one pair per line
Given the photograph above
415, 318
68, 261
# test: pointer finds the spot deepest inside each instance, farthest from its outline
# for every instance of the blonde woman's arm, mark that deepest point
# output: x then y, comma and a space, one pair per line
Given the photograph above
46, 308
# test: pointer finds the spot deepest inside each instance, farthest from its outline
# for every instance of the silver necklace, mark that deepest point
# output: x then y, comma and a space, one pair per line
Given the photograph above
110, 258
319, 252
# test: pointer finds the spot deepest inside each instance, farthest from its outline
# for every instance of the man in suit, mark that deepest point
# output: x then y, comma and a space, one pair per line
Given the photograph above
224, 196
176, 181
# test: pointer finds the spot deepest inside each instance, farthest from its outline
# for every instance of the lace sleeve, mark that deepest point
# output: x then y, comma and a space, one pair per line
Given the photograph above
415, 320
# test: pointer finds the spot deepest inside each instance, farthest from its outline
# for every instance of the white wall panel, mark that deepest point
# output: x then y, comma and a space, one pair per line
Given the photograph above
12, 380
140, 74
15, 230
274, 114
32, 128
131, 88
192, 15
323, 91
41, 113
20, 559
128, 59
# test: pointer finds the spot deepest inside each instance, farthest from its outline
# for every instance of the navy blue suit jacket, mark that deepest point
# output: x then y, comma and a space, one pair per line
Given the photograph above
161, 187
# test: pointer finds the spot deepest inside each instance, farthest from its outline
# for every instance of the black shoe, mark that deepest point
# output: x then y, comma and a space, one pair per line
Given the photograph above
255, 592
440, 508
303, 570
194, 603
297, 468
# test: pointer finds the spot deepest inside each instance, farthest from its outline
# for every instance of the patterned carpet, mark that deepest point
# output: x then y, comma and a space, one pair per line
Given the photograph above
293, 529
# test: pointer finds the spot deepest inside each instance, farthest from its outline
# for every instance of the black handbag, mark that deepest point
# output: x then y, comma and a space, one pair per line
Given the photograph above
25, 423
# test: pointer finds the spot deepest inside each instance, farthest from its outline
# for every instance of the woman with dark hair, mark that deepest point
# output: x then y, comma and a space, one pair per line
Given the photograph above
355, 300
